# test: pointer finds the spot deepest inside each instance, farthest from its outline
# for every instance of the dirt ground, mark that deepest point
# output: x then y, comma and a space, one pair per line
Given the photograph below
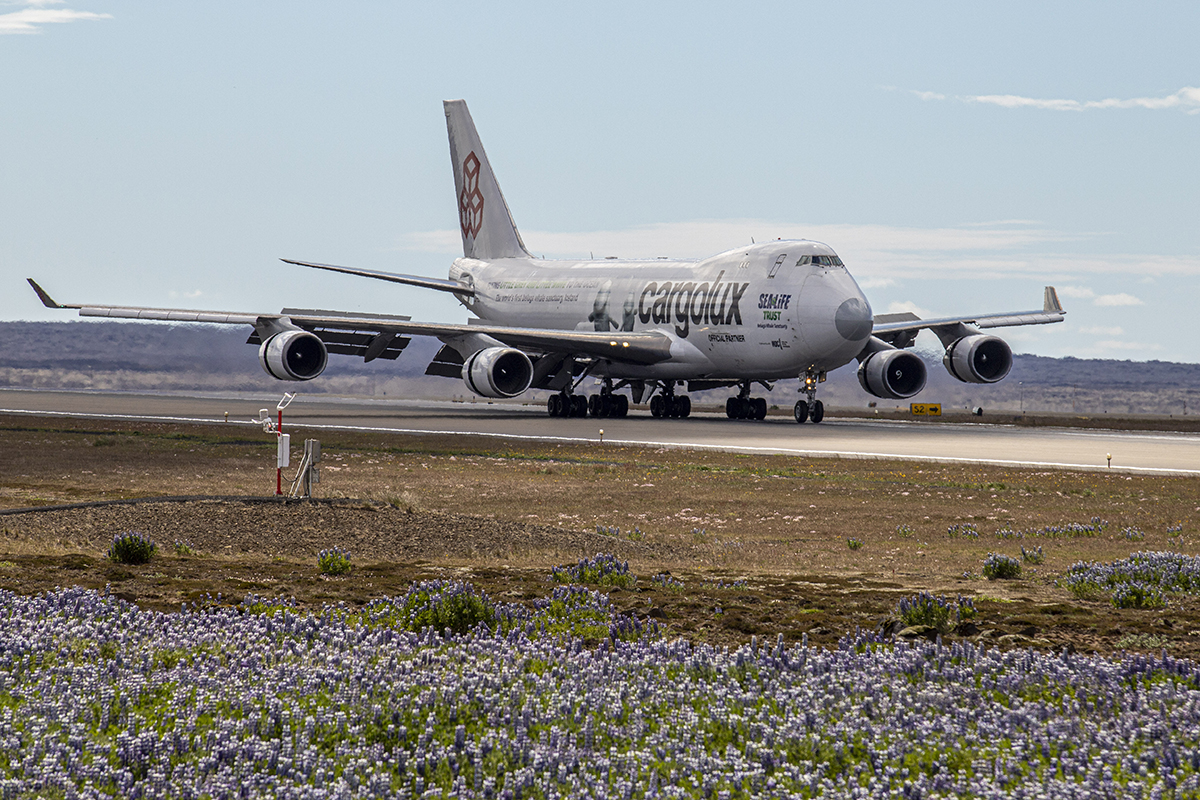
759, 543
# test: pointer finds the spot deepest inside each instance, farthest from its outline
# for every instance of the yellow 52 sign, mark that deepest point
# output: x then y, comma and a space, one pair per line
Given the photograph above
925, 409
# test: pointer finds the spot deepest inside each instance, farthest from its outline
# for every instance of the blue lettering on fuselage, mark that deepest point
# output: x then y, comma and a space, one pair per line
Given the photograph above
774, 301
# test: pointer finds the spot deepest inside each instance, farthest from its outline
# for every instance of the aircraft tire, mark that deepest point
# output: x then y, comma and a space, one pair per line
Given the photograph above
621, 405
657, 406
607, 405
554, 405
818, 411
731, 407
759, 404
683, 407
578, 405
801, 411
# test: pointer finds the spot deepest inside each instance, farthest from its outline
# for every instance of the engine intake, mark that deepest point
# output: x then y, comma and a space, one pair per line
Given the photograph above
978, 359
293, 356
498, 372
894, 374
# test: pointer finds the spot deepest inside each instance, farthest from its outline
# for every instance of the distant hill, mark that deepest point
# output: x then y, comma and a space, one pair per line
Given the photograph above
152, 356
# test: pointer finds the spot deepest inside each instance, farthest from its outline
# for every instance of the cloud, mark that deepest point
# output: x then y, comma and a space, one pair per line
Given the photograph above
878, 255
900, 306
1100, 330
35, 14
1118, 300
1084, 293
876, 283
701, 238
1186, 99
1119, 345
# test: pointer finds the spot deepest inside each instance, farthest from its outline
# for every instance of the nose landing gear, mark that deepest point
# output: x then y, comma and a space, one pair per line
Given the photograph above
810, 407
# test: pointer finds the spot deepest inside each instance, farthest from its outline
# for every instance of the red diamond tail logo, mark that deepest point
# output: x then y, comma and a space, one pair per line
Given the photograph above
470, 199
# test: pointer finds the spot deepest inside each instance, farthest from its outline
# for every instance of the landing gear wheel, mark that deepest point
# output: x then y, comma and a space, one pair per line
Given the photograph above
554, 405
739, 408
759, 406
620, 405
579, 406
801, 410
818, 411
658, 406
682, 407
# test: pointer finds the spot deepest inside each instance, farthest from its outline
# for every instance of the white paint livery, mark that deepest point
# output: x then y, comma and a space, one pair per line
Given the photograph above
771, 311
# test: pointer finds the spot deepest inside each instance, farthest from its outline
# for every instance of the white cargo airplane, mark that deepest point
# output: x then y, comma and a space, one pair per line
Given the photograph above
751, 315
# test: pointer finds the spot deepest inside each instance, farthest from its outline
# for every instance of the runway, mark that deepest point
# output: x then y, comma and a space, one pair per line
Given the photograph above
1002, 445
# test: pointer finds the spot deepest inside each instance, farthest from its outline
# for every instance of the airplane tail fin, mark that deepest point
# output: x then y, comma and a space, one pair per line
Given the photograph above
487, 226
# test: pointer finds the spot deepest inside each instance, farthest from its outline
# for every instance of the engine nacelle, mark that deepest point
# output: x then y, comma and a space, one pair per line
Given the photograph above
893, 374
293, 356
498, 372
978, 359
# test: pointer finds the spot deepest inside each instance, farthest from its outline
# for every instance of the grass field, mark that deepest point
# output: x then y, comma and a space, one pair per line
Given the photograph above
754, 545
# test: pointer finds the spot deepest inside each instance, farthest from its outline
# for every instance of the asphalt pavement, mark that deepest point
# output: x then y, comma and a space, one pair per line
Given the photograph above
928, 440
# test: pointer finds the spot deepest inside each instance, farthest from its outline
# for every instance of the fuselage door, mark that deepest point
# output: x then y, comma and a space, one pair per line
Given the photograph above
778, 263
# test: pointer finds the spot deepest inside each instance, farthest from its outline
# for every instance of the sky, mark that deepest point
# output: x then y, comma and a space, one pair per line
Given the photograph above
958, 156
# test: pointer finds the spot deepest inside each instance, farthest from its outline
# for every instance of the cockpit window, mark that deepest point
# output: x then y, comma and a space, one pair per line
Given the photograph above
823, 261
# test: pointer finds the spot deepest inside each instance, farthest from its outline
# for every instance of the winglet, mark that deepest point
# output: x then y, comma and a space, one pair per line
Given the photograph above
46, 299
1051, 305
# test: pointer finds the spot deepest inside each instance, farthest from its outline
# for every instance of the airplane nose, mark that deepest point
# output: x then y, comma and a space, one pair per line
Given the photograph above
853, 320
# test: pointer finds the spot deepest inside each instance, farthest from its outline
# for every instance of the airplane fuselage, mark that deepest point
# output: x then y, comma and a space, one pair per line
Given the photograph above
769, 311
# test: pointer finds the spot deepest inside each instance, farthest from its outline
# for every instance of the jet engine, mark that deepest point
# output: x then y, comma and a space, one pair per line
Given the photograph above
978, 359
894, 374
293, 356
498, 372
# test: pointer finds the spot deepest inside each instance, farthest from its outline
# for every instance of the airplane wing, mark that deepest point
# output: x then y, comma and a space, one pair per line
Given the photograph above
900, 330
376, 335
454, 287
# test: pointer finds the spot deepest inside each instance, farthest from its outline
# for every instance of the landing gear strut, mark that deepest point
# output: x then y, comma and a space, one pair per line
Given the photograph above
668, 404
744, 406
811, 407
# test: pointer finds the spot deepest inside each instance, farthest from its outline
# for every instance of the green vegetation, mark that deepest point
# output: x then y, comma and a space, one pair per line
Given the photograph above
131, 548
334, 561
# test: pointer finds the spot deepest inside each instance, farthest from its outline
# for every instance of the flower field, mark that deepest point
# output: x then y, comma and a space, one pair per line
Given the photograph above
101, 698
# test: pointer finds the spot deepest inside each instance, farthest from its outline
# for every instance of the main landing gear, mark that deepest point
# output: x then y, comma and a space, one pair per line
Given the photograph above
605, 404
667, 404
810, 407
744, 406
567, 405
